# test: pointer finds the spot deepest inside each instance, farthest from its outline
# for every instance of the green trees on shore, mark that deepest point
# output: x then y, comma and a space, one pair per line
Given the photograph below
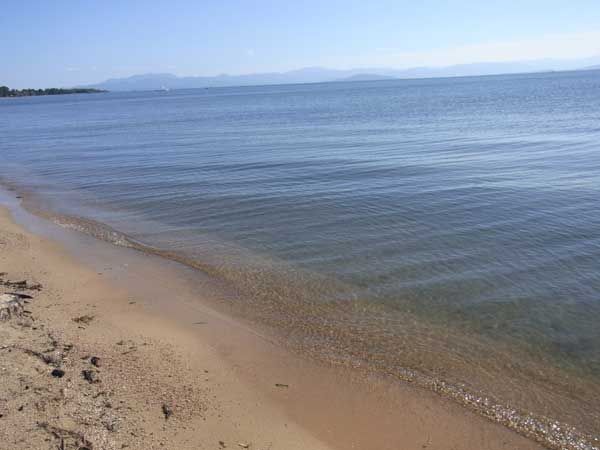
5, 91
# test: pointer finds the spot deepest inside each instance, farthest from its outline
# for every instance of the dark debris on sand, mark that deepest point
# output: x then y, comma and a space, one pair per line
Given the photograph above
21, 285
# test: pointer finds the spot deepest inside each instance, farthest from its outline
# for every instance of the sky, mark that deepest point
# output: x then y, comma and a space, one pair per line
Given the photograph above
66, 43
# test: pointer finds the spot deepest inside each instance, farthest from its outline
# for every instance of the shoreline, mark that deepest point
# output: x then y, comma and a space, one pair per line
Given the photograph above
548, 426
236, 342
148, 367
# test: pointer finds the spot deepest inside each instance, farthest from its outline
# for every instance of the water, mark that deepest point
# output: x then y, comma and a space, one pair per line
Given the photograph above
449, 228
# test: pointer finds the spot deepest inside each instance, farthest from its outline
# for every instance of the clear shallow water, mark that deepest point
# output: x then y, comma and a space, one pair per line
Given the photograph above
451, 226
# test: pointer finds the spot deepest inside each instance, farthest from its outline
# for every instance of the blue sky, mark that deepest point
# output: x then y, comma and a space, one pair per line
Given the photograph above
64, 43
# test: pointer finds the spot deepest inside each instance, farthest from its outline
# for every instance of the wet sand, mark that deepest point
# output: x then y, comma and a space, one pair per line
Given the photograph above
176, 373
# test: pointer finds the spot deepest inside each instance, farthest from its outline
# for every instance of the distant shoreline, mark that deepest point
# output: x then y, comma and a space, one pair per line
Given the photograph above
7, 92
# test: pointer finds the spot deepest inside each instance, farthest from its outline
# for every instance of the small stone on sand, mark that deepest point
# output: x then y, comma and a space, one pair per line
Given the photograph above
58, 373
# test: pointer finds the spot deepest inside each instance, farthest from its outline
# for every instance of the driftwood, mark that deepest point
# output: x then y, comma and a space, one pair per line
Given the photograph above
11, 306
22, 285
67, 438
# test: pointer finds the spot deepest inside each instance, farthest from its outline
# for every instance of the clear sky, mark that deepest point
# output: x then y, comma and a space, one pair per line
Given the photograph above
64, 43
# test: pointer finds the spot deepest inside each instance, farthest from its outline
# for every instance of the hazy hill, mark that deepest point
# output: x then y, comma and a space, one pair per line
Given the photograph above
165, 80
155, 81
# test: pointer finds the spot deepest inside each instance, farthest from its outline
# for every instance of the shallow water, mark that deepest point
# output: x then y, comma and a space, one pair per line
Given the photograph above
447, 226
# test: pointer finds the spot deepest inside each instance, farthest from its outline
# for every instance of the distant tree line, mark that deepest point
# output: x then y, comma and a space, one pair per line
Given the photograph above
7, 92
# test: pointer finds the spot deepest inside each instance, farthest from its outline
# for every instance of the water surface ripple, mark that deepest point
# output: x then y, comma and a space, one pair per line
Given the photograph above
446, 227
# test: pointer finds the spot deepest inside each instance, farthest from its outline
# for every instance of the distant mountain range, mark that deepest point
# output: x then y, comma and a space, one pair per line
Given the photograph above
157, 81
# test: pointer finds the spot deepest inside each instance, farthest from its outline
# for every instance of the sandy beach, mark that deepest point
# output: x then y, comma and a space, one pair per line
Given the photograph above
116, 349
296, 226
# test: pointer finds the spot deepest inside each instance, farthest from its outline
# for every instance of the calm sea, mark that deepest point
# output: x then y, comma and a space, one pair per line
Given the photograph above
445, 228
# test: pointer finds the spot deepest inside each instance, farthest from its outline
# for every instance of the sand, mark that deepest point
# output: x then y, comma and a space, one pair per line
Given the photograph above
150, 363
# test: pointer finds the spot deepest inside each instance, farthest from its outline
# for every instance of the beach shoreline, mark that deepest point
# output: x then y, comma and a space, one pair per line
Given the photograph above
241, 387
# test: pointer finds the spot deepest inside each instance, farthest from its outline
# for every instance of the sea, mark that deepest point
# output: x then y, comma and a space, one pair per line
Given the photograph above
445, 232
